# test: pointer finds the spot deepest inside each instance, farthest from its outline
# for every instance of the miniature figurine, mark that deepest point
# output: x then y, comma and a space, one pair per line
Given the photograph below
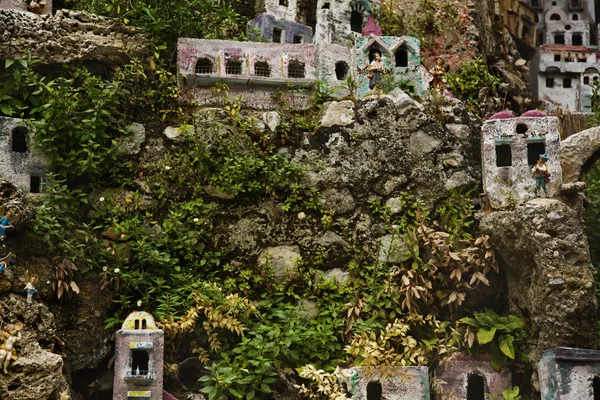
5, 224
36, 7
438, 72
376, 74
29, 288
541, 174
10, 336
4, 262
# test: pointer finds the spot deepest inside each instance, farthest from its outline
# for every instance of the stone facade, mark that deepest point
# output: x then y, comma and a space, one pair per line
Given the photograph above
345, 39
394, 383
520, 20
565, 64
21, 5
20, 162
139, 353
569, 374
510, 149
467, 378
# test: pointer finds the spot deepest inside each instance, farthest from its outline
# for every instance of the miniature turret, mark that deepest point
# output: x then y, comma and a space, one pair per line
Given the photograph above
139, 359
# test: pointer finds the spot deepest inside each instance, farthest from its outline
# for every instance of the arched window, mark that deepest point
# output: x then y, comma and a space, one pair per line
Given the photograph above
525, 33
475, 387
204, 66
296, 69
341, 70
522, 128
233, 67
19, 139
586, 80
356, 21
144, 324
555, 17
402, 57
575, 17
262, 68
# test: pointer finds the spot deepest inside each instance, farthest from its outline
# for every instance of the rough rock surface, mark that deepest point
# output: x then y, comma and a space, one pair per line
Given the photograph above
542, 248
68, 36
576, 150
283, 259
37, 372
337, 113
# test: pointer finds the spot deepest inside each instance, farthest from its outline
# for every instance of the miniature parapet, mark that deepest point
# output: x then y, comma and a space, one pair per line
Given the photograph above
511, 147
468, 378
401, 59
23, 5
569, 374
342, 21
393, 383
271, 29
139, 361
20, 162
253, 70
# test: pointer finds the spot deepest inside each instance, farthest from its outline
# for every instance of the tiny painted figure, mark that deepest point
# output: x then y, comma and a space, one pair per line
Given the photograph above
4, 262
10, 336
438, 72
4, 224
376, 74
541, 174
36, 7
29, 288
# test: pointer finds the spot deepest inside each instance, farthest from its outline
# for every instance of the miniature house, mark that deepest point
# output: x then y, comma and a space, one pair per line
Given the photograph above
20, 162
510, 148
520, 20
569, 374
566, 60
469, 378
139, 352
397, 383
21, 5
286, 68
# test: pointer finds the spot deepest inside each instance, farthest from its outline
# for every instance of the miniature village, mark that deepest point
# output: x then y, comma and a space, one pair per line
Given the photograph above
294, 203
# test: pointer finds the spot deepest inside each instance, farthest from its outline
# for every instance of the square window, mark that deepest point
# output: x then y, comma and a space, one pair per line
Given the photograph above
559, 38
577, 39
549, 82
567, 83
298, 39
557, 57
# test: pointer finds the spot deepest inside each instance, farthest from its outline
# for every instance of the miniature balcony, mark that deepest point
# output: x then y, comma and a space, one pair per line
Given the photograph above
138, 377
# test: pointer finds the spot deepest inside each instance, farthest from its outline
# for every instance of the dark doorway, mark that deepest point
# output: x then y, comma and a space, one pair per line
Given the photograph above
533, 152
277, 32
475, 387
356, 21
35, 184
374, 391
596, 388
402, 57
19, 139
503, 155
341, 70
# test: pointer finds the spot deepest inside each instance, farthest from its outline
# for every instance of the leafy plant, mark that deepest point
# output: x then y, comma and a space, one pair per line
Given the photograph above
509, 394
594, 118
469, 79
501, 333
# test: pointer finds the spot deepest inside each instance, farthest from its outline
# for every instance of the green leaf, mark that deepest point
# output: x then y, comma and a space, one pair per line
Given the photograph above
497, 358
485, 335
250, 395
506, 345
511, 394
265, 388
8, 63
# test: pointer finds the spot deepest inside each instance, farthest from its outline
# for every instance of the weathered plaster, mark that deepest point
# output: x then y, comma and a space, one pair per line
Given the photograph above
507, 186
455, 375
291, 32
17, 167
568, 374
397, 383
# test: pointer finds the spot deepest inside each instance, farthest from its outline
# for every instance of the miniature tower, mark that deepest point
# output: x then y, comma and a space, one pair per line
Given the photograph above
139, 359
510, 149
